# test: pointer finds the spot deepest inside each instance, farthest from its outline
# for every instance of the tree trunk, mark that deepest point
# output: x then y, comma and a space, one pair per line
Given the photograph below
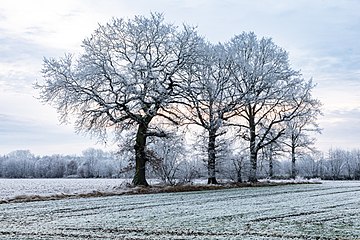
271, 164
253, 151
239, 176
140, 157
293, 167
212, 158
253, 166
271, 168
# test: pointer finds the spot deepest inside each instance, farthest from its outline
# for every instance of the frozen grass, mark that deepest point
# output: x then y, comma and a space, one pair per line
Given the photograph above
30, 188
26, 190
37, 189
317, 211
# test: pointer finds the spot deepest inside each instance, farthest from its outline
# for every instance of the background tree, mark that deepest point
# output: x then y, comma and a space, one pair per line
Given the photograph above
127, 76
336, 163
235, 165
356, 159
166, 157
273, 91
309, 165
93, 162
19, 164
269, 154
300, 128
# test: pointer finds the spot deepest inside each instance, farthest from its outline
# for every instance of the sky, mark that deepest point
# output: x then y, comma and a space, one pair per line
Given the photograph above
321, 37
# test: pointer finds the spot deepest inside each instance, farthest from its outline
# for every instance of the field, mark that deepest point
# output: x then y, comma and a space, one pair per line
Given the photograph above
308, 211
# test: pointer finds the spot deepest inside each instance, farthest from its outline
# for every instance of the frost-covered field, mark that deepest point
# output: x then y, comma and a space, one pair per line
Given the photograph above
10, 188
316, 211
14, 188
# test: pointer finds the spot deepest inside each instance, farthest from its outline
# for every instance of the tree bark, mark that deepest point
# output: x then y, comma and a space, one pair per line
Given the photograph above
239, 176
271, 164
253, 167
293, 160
253, 151
140, 157
271, 168
212, 158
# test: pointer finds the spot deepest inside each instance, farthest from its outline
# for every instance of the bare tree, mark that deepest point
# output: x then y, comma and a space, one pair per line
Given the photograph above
273, 91
299, 129
356, 158
269, 153
20, 164
166, 156
92, 160
126, 78
336, 163
211, 98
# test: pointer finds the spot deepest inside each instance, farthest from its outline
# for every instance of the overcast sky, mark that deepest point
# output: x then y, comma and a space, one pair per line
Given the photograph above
321, 36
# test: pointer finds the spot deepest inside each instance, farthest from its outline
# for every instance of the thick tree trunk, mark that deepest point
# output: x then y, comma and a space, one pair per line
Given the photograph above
212, 158
253, 166
293, 166
140, 157
253, 151
239, 176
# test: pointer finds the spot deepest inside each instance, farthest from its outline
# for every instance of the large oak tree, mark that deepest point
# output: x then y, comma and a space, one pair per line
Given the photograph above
126, 77
210, 98
274, 92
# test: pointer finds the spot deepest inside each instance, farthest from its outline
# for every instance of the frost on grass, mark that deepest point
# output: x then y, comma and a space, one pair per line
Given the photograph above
27, 190
19, 190
315, 211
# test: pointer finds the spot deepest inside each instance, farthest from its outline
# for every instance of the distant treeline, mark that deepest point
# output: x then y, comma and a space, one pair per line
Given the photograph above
337, 164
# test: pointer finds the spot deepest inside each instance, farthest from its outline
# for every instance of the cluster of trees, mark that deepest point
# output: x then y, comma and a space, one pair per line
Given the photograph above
173, 163
92, 163
339, 164
143, 79
172, 168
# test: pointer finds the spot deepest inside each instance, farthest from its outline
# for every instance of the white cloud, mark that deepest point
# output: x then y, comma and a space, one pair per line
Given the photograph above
340, 129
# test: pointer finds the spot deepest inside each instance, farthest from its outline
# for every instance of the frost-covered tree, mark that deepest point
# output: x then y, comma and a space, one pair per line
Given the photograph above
336, 163
20, 164
273, 91
71, 168
356, 164
126, 78
210, 98
300, 130
166, 157
269, 154
235, 160
92, 162
53, 166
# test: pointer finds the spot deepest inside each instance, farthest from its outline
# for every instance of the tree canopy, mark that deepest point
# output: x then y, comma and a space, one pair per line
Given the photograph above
142, 72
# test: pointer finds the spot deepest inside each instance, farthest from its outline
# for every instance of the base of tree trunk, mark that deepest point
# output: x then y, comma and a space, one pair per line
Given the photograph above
253, 179
145, 184
212, 180
137, 181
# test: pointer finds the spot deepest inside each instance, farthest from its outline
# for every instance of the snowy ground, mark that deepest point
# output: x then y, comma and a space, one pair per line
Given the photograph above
11, 188
27, 188
23, 188
316, 211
